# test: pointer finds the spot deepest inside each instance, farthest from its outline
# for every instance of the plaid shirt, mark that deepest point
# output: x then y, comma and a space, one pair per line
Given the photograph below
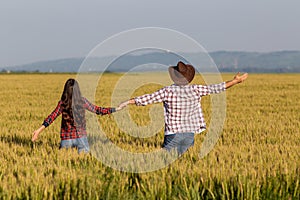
182, 108
70, 131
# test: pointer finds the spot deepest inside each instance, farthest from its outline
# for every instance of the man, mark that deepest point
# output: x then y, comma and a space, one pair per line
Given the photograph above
182, 108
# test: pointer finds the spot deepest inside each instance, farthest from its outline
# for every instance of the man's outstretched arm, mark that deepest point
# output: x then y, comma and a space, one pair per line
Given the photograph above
236, 80
144, 100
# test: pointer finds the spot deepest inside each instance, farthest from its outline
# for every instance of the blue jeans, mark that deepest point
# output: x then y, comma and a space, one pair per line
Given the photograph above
179, 141
81, 144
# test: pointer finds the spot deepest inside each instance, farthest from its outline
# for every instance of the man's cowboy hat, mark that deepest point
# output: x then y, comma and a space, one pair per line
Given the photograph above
182, 74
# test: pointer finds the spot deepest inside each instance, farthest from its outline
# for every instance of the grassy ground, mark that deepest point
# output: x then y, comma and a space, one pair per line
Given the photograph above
256, 157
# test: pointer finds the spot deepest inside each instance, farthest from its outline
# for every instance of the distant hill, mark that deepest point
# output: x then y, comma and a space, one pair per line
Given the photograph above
227, 61
59, 65
278, 62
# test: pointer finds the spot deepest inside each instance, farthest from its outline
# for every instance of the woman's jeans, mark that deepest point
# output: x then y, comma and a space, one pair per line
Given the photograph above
81, 144
179, 141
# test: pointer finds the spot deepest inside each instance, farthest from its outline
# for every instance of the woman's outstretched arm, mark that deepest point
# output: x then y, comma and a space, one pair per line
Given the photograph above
97, 109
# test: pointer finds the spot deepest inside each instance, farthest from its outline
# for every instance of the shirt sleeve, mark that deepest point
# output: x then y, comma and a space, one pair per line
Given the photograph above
55, 113
146, 99
211, 89
96, 109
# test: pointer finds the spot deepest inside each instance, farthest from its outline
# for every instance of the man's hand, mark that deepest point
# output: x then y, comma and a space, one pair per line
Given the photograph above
236, 80
240, 78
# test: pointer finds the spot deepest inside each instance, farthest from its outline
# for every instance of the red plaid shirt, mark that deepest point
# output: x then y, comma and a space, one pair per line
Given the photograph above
70, 131
182, 108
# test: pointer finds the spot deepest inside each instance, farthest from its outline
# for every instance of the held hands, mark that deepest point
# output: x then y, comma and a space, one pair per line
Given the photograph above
124, 104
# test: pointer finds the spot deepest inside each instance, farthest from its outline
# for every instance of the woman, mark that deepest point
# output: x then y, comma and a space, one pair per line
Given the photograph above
72, 106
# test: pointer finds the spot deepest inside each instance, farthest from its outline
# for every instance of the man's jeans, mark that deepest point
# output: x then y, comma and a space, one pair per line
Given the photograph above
81, 144
179, 141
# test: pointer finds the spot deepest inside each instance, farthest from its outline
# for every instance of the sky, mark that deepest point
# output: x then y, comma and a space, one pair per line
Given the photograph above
36, 30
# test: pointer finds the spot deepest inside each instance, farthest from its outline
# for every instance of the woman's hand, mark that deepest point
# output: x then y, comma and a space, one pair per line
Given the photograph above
36, 133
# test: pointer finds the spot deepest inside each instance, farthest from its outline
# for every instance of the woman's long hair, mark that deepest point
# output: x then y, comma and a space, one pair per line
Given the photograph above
72, 103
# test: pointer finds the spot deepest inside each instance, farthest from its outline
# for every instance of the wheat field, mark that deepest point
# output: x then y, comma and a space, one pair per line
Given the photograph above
256, 156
